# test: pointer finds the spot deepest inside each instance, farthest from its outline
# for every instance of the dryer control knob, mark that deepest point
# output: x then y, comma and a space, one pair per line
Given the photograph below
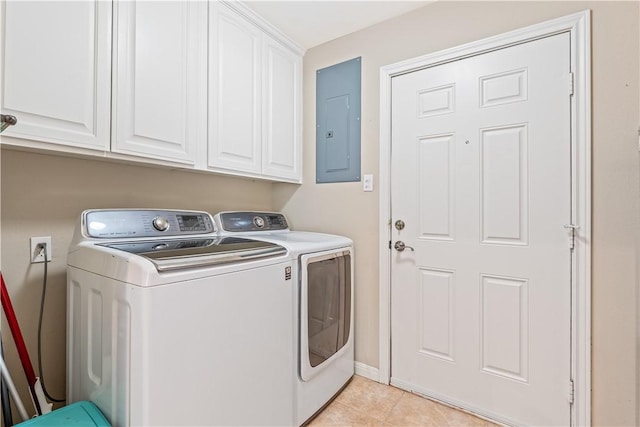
258, 221
160, 223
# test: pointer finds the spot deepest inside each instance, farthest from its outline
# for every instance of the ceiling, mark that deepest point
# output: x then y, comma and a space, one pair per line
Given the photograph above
313, 22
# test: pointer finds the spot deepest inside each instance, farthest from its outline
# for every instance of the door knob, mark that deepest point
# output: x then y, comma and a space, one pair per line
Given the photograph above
400, 246
399, 224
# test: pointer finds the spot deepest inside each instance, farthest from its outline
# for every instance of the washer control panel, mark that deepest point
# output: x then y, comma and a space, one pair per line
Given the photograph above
251, 221
160, 223
115, 224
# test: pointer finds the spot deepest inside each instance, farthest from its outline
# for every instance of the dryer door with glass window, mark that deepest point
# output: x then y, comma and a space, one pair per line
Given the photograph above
326, 315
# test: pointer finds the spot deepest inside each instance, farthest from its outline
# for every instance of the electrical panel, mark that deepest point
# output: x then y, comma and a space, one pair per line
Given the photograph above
338, 106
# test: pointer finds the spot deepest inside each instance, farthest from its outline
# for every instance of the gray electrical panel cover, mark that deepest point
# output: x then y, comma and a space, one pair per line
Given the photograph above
338, 122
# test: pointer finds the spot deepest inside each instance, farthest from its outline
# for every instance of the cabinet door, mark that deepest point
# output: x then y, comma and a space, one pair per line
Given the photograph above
160, 79
282, 147
235, 91
56, 71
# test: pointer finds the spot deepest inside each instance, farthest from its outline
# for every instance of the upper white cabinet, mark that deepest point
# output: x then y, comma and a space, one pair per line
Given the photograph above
235, 62
57, 71
255, 97
159, 84
281, 113
201, 85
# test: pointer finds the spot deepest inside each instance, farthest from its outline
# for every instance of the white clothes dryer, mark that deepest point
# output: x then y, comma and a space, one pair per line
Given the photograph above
323, 277
171, 324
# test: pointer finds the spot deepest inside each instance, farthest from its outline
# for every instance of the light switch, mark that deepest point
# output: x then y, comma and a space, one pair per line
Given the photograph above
367, 183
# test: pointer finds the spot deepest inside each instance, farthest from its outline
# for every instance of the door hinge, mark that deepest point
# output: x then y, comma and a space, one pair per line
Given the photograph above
571, 83
572, 234
572, 391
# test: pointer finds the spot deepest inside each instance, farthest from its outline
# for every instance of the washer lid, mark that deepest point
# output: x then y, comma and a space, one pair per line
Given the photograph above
177, 254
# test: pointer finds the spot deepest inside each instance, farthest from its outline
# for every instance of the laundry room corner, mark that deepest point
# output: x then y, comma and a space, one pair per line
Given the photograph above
44, 195
234, 133
345, 209
341, 207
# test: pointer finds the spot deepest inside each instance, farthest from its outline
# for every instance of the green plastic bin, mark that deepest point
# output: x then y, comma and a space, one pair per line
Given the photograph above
79, 414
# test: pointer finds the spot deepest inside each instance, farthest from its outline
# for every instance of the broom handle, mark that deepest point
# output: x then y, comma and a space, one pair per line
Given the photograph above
12, 388
20, 345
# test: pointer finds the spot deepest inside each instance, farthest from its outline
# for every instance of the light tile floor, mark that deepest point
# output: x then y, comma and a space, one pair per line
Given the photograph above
368, 403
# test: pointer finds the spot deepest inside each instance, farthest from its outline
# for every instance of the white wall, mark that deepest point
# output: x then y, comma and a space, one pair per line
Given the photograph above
638, 267
43, 195
343, 208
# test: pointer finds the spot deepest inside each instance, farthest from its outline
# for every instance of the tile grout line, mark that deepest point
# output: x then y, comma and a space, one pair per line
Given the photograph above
394, 406
384, 416
361, 412
350, 406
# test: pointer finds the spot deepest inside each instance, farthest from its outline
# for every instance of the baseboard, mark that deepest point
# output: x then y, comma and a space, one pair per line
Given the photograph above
367, 371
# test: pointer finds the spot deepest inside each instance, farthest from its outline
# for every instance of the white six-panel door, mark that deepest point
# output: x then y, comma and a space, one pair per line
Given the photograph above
481, 177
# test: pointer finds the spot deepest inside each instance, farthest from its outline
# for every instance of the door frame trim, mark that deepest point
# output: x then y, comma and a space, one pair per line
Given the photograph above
578, 25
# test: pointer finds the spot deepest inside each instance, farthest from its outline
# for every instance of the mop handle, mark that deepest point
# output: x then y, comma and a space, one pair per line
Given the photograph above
14, 392
19, 341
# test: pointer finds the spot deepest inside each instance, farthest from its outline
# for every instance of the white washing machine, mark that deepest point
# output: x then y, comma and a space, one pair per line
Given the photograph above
170, 324
323, 277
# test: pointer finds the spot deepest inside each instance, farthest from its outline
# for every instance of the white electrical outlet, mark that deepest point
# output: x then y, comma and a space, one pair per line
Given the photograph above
36, 254
367, 183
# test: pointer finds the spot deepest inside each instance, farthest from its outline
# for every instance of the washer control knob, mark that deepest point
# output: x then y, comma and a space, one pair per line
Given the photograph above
160, 223
258, 221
